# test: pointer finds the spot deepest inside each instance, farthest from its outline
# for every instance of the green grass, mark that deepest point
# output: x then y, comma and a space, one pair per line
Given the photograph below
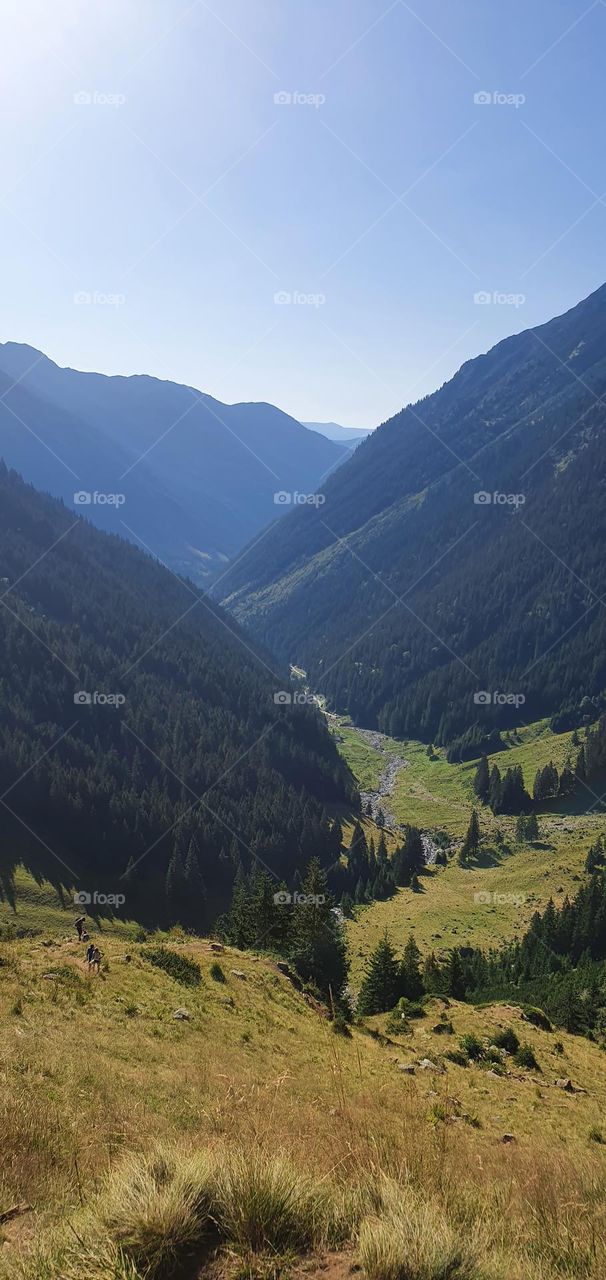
513, 881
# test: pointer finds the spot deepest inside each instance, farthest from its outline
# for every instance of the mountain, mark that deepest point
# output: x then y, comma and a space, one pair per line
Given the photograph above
453, 580
141, 747
343, 435
189, 478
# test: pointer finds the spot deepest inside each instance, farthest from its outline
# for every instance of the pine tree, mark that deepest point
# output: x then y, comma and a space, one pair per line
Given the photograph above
411, 983
317, 944
380, 985
481, 782
455, 981
471, 844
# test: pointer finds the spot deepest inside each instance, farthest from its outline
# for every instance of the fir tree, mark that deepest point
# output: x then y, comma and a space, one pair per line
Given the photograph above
380, 986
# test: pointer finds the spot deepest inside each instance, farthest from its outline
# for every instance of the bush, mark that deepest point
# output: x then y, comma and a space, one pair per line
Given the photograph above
525, 1058
340, 1027
216, 972
410, 1008
472, 1046
507, 1040
537, 1017
457, 1056
177, 966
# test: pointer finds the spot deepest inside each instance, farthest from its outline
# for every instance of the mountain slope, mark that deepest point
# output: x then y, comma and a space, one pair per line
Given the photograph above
198, 477
404, 597
138, 728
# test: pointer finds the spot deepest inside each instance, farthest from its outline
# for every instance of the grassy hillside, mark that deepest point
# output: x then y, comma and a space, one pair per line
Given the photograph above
514, 881
97, 1070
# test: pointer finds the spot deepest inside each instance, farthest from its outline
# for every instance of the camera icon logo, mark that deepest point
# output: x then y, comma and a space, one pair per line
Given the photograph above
482, 498
282, 898
482, 899
483, 98
82, 498
82, 899
483, 698
282, 498
82, 698
282, 698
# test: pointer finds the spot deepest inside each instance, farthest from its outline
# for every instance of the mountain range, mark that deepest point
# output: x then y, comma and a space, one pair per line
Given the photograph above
342, 435
453, 581
177, 472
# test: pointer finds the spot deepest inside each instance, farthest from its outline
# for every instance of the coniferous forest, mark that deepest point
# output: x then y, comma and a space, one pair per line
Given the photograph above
192, 776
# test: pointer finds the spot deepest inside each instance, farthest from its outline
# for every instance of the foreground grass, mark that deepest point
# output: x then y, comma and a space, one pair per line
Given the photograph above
251, 1129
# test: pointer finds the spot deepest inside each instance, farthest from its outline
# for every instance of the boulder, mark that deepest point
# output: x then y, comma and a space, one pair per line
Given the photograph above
182, 1015
407, 1067
238, 973
426, 1064
509, 1137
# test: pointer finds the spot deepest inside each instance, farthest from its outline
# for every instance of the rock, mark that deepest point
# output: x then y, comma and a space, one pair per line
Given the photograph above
566, 1083
407, 1068
442, 1029
509, 1137
238, 973
182, 1015
50, 977
127, 959
217, 946
426, 1064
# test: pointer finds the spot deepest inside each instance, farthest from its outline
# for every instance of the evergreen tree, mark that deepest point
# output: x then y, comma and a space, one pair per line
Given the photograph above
481, 782
317, 945
381, 982
411, 983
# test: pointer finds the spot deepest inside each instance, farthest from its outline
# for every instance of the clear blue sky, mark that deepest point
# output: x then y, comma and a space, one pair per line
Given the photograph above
194, 197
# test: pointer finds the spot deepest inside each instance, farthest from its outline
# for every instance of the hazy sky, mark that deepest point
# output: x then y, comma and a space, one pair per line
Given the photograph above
155, 197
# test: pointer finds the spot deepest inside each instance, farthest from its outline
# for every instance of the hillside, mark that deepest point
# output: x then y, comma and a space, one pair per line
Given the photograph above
99, 1076
405, 595
495, 898
196, 478
141, 749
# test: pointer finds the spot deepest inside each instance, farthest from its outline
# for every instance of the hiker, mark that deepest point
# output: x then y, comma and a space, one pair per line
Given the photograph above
79, 924
96, 959
90, 954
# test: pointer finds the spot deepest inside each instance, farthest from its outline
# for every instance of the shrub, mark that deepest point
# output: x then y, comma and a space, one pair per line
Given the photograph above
537, 1017
595, 1134
216, 972
340, 1027
525, 1058
457, 1056
178, 966
507, 1040
472, 1046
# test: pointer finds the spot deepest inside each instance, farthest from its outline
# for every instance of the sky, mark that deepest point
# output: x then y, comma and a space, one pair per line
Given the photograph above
326, 204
